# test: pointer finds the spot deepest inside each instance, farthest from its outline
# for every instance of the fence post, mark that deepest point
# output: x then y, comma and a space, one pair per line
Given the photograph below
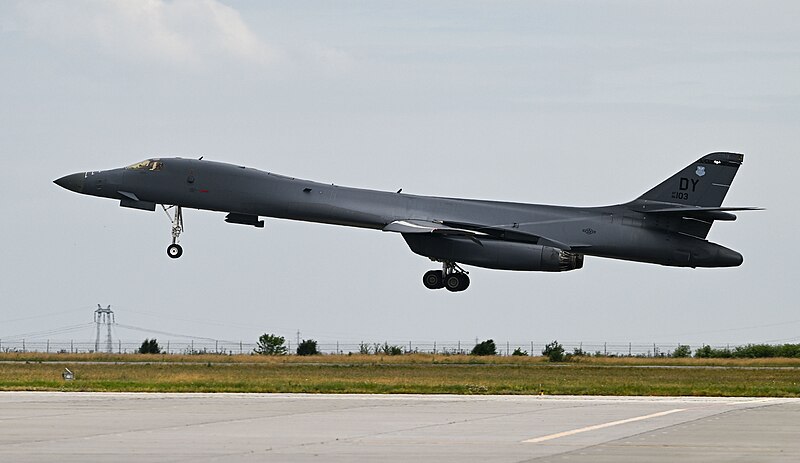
23, 345
240, 347
48, 346
629, 348
507, 347
531, 348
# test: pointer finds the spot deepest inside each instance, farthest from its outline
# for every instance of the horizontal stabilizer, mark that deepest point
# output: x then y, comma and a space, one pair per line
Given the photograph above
699, 209
701, 213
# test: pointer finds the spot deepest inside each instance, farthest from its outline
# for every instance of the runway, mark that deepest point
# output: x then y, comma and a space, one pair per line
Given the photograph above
136, 427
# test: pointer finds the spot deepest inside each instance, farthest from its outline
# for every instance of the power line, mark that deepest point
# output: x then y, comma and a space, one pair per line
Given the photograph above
167, 333
33, 317
50, 332
724, 330
205, 321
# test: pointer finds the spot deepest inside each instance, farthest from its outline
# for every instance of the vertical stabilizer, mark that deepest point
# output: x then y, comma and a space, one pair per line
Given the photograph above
703, 183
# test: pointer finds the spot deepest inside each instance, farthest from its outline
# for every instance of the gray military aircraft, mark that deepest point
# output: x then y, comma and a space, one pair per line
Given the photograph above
667, 225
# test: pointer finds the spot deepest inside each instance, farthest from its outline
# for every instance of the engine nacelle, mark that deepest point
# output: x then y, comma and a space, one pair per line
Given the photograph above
495, 254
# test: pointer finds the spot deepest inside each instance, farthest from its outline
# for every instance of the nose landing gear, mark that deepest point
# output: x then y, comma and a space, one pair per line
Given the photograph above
452, 277
175, 250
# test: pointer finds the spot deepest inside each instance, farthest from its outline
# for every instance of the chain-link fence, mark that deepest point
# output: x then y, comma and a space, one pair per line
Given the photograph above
190, 347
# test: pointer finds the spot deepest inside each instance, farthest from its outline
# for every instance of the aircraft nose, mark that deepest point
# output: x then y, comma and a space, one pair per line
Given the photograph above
729, 258
73, 182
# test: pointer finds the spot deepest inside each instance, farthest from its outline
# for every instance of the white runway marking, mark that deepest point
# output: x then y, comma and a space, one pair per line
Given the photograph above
601, 426
757, 401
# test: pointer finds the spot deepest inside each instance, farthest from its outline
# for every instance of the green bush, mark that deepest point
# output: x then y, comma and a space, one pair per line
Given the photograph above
789, 350
751, 351
682, 351
554, 352
307, 347
484, 348
388, 349
518, 351
150, 346
766, 350
579, 352
709, 352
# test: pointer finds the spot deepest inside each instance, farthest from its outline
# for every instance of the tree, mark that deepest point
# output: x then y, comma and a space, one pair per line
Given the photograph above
554, 352
519, 351
484, 348
150, 346
682, 351
307, 347
270, 344
364, 348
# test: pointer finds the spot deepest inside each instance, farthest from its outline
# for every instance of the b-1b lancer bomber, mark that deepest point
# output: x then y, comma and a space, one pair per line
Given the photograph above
667, 225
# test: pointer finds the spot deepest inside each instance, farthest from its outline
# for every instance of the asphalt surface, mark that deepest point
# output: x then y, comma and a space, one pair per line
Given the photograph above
136, 427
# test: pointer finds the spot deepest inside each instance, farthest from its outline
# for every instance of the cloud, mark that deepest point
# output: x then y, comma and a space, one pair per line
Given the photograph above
180, 32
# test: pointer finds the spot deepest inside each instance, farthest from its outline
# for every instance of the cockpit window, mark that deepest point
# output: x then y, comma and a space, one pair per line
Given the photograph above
150, 164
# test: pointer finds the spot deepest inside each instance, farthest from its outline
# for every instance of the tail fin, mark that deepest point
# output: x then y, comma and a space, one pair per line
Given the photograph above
703, 183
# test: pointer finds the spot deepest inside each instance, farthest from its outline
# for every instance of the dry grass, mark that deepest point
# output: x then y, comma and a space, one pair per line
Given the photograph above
412, 359
399, 374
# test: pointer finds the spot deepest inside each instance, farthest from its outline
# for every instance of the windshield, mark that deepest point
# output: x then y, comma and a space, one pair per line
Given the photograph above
150, 164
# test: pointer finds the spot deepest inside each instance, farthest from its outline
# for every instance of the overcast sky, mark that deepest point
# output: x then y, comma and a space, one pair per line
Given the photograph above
575, 103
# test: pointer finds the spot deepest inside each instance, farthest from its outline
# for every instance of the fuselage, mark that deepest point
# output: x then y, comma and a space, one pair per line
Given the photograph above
610, 231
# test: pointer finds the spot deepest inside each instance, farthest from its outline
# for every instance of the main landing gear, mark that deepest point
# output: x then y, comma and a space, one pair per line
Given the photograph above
452, 277
175, 250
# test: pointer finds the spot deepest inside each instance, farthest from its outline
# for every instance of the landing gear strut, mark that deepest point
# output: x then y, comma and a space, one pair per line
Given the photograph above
175, 250
452, 277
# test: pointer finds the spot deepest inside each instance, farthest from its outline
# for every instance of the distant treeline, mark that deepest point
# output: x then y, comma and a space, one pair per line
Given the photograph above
750, 351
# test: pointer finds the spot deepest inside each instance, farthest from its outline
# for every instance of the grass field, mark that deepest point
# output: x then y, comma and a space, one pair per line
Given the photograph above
424, 374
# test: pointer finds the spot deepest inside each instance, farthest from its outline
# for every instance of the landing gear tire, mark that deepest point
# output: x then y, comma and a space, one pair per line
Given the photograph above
174, 251
433, 279
456, 282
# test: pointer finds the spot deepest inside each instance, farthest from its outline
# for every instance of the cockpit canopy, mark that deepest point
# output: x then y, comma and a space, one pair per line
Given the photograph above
150, 164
